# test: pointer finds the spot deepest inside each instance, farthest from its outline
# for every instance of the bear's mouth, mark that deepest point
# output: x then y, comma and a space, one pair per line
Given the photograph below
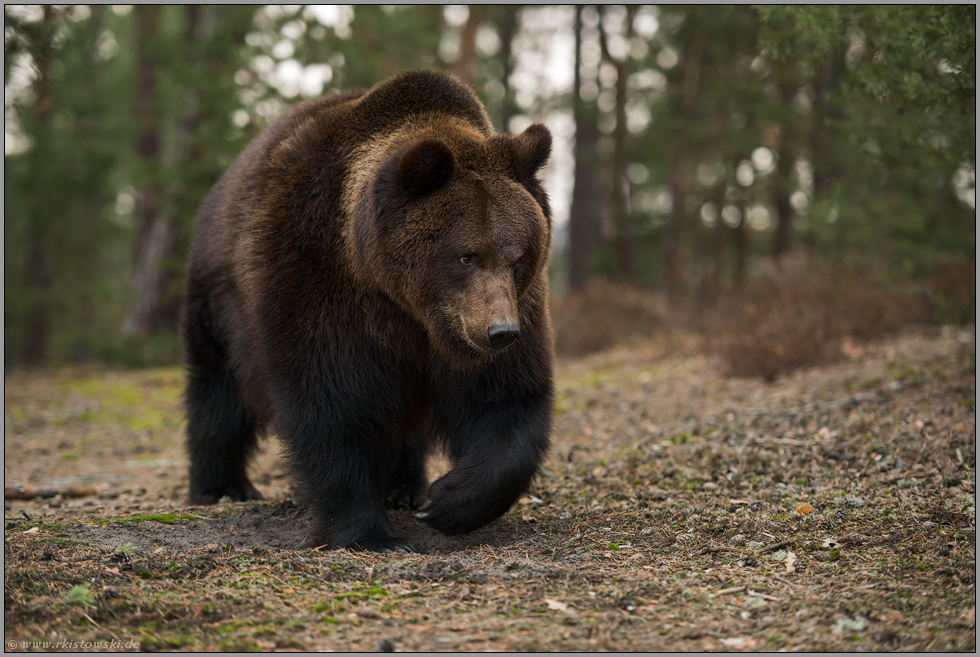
460, 325
448, 331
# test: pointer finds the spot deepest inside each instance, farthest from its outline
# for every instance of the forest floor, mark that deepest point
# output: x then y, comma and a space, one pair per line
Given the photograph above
830, 510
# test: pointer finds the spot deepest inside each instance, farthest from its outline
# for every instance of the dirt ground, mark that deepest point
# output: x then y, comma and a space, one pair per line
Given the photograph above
830, 510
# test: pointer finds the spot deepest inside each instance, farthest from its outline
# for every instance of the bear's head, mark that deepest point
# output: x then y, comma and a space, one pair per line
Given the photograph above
453, 226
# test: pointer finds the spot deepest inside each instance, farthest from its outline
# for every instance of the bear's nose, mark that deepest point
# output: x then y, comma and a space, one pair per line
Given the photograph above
502, 334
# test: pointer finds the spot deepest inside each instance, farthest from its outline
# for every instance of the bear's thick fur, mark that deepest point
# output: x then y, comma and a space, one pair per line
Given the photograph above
368, 280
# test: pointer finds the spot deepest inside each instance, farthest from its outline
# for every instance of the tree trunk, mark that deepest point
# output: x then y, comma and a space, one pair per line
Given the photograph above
465, 68
825, 84
782, 190
153, 235
91, 240
618, 196
507, 31
164, 318
787, 78
583, 220
712, 241
682, 173
741, 246
37, 274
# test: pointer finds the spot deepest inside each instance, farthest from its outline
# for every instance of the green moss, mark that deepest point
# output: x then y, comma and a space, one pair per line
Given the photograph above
165, 518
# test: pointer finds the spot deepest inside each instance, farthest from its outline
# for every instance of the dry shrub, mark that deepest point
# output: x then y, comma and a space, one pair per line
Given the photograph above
812, 318
952, 293
601, 316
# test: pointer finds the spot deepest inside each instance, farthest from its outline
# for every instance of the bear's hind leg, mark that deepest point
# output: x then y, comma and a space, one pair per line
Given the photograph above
407, 482
221, 430
221, 436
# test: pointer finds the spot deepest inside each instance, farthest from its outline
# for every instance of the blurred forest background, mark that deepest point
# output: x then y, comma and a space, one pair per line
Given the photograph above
791, 180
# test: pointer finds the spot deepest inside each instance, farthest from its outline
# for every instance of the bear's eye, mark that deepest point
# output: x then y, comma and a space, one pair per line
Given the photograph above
466, 259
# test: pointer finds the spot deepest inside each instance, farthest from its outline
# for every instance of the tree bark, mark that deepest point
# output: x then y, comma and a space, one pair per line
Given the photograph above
583, 221
465, 68
153, 234
712, 241
38, 274
783, 190
825, 84
618, 193
741, 245
507, 31
786, 153
682, 172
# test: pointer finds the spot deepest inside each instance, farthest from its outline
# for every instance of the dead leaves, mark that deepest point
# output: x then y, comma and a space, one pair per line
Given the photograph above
555, 605
830, 543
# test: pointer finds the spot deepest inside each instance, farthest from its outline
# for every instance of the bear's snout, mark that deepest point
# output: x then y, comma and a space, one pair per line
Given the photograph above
503, 334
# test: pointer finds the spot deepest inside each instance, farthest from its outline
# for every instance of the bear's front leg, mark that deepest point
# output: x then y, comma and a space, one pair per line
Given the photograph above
498, 433
336, 428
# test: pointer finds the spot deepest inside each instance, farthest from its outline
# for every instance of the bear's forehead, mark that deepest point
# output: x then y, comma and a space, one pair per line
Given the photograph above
498, 214
485, 157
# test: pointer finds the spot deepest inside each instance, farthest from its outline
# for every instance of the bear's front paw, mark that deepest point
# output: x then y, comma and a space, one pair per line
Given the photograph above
457, 509
443, 516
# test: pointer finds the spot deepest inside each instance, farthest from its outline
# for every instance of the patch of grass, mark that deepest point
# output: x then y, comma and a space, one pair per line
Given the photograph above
80, 594
905, 372
165, 518
118, 399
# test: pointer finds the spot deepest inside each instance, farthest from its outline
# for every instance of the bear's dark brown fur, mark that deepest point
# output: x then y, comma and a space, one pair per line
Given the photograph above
368, 280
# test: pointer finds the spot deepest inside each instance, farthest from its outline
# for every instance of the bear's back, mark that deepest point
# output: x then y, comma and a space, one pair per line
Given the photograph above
411, 94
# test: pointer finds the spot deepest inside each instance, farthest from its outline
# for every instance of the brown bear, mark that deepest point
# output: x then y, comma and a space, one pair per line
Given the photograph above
368, 280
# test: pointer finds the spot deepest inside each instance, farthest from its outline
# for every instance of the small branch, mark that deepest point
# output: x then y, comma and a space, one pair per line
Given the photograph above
775, 546
21, 493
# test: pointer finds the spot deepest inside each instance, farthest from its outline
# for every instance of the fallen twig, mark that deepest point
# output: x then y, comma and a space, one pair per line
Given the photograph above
22, 493
775, 546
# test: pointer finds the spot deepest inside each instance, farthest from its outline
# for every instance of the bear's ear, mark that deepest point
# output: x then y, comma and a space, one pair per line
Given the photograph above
532, 148
425, 167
